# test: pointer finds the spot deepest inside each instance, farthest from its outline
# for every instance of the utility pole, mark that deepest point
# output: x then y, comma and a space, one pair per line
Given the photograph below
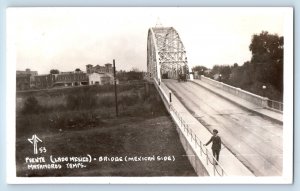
115, 81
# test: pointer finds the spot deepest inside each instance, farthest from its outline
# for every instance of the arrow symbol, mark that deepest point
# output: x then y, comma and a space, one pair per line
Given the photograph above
34, 140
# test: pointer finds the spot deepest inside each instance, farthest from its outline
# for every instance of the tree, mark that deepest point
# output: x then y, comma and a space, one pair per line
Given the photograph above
134, 75
224, 72
121, 75
264, 69
54, 71
266, 47
199, 69
267, 58
77, 70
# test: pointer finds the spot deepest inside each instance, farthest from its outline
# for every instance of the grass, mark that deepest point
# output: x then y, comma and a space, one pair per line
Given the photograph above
143, 128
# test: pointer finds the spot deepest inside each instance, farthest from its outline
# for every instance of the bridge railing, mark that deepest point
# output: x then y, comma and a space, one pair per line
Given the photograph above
217, 168
162, 92
253, 98
188, 132
275, 105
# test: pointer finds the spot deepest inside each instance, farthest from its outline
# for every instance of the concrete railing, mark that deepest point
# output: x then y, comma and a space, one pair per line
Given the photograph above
218, 170
253, 98
166, 99
275, 105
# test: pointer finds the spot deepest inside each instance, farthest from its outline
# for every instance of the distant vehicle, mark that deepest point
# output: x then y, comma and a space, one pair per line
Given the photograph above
165, 76
182, 77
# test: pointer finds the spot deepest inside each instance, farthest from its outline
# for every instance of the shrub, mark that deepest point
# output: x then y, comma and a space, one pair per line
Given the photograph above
31, 105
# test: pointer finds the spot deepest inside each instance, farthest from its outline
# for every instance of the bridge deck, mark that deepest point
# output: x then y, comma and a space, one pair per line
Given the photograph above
276, 116
232, 166
255, 140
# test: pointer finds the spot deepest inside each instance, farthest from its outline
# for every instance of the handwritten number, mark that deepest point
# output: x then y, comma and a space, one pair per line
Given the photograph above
42, 149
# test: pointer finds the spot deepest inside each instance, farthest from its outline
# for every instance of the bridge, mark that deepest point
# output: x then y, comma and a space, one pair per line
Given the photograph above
250, 125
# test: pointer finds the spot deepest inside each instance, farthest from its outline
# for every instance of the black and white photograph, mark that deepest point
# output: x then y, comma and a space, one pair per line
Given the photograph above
150, 95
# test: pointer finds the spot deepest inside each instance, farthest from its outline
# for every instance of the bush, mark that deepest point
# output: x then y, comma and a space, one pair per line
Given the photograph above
31, 106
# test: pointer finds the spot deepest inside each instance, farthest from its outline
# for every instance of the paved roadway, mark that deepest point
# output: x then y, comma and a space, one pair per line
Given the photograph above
256, 141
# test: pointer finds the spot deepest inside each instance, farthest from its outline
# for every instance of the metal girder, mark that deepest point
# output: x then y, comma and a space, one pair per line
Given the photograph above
166, 55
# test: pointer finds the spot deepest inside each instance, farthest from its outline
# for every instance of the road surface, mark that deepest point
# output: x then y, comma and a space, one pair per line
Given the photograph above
256, 141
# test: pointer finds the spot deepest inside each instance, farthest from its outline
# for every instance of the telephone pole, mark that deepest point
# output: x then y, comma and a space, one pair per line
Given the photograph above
115, 81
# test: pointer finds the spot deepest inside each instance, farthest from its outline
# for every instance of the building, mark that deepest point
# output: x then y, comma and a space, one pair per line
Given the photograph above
101, 79
71, 72
25, 79
107, 68
72, 79
94, 79
107, 79
23, 82
100, 74
95, 75
44, 81
27, 71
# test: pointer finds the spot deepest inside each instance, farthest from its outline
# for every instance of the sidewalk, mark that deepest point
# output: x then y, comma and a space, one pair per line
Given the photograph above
231, 165
272, 115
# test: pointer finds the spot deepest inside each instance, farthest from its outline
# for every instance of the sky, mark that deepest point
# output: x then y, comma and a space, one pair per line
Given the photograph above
70, 38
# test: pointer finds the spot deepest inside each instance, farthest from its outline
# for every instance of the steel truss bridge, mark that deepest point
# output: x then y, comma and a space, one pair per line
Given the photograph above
251, 128
166, 55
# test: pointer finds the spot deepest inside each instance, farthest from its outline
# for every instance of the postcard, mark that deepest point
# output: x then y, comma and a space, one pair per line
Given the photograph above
162, 95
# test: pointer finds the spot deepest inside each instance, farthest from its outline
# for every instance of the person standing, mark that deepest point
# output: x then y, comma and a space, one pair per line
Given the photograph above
216, 145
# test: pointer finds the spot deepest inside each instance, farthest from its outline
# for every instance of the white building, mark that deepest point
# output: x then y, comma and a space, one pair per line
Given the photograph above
101, 79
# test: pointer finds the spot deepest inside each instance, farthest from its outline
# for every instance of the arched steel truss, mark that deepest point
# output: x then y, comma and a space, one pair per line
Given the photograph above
166, 55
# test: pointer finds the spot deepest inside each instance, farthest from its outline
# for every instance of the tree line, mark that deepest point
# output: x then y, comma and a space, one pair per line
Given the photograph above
262, 75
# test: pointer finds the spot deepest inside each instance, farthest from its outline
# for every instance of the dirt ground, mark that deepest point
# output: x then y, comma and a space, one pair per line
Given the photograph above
118, 137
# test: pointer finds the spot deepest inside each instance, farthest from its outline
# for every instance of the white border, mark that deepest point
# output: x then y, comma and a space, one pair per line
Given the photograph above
286, 178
